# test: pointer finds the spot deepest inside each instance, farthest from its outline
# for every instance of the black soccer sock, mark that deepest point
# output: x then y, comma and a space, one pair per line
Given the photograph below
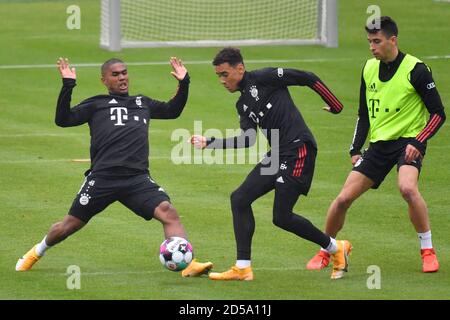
284, 218
303, 228
243, 223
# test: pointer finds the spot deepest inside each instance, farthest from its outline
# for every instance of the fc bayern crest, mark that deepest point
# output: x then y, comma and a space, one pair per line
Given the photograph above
254, 92
84, 199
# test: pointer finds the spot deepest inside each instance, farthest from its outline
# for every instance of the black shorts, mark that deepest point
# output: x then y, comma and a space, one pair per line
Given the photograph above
297, 170
290, 175
378, 160
139, 193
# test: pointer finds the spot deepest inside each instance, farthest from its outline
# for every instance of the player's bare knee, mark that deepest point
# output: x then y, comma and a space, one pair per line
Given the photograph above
70, 225
343, 201
172, 216
167, 214
164, 206
408, 192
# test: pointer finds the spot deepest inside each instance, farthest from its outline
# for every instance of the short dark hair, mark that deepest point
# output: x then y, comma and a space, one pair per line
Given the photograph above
387, 26
231, 55
108, 63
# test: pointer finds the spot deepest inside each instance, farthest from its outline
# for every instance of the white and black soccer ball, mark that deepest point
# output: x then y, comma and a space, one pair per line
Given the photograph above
175, 253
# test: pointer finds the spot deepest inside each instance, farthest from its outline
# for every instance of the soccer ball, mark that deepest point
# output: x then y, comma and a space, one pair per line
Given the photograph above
175, 253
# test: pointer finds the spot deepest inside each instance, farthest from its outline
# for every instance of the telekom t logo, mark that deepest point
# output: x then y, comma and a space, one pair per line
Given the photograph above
119, 114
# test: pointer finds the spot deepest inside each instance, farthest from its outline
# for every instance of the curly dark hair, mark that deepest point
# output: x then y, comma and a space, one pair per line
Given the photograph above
231, 55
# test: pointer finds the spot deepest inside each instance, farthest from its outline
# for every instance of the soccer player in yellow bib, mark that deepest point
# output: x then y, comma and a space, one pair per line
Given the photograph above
400, 110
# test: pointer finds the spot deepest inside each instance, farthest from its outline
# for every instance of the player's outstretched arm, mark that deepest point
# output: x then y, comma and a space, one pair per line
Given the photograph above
246, 139
65, 70
65, 116
173, 108
179, 70
333, 104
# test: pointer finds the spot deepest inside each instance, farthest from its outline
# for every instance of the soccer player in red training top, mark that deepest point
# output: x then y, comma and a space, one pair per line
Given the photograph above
396, 92
288, 169
119, 150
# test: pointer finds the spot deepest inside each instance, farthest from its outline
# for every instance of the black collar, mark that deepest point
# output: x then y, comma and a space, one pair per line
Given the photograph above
119, 94
243, 82
395, 63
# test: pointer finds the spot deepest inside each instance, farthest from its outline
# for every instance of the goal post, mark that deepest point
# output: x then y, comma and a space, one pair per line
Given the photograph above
209, 23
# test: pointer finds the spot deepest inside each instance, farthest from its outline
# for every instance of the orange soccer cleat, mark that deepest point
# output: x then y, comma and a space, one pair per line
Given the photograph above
195, 269
429, 260
319, 261
234, 273
340, 258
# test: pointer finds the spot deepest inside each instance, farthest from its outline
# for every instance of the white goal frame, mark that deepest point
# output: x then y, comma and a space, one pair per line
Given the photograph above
111, 39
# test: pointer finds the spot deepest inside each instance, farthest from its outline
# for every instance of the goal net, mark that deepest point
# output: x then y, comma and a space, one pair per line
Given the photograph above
160, 23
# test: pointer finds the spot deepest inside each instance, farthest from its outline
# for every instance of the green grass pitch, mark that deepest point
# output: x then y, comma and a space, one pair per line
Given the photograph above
117, 251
